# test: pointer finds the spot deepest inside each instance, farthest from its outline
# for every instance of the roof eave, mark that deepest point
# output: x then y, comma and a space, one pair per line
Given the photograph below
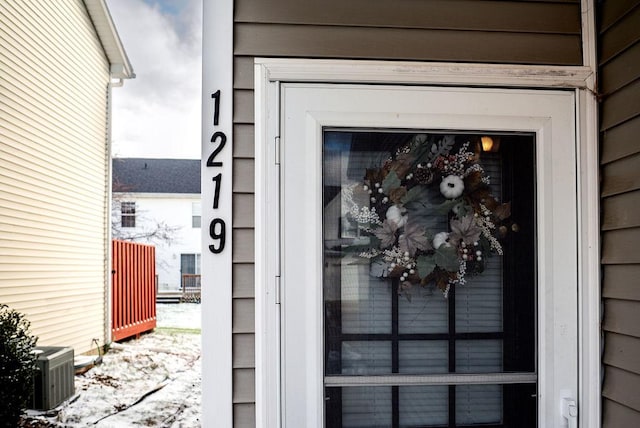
120, 67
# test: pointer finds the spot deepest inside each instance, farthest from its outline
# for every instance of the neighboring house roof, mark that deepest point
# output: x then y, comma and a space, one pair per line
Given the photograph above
120, 65
143, 175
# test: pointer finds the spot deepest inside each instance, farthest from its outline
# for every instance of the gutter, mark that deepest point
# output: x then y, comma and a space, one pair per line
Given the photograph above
119, 69
112, 45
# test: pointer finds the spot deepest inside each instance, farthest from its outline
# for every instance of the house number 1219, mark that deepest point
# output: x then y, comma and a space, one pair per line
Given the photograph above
217, 227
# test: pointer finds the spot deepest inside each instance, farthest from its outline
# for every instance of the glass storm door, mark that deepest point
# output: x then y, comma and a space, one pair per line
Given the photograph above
428, 257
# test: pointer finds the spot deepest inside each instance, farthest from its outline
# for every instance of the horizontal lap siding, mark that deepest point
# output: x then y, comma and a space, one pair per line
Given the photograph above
52, 170
243, 247
315, 41
619, 56
524, 32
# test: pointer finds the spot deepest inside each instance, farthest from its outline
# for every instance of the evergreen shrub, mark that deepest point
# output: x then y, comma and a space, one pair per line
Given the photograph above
17, 365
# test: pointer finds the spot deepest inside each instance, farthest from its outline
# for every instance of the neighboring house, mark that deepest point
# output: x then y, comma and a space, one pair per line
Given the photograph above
157, 201
59, 61
283, 77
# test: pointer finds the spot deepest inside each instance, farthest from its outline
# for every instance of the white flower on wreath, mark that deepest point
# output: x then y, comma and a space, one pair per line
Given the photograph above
451, 186
397, 215
440, 239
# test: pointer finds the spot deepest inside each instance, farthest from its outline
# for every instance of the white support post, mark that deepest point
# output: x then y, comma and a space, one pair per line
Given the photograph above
589, 400
217, 158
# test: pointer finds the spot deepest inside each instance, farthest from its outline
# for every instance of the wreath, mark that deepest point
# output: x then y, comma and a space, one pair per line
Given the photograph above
428, 214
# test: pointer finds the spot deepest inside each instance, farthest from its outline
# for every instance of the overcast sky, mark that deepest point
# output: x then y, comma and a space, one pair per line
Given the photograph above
157, 114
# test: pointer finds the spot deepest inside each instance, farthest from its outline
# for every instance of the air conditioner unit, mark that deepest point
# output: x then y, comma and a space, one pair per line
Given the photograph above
53, 377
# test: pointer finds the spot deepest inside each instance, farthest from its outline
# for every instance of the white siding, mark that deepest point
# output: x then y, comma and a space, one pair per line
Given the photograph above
53, 160
175, 211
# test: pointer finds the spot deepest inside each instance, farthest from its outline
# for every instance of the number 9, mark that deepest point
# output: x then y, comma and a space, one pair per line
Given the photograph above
219, 235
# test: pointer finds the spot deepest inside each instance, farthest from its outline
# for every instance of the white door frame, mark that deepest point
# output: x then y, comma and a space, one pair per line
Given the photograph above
269, 73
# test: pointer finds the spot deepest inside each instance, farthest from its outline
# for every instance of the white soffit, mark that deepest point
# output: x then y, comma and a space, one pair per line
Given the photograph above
120, 66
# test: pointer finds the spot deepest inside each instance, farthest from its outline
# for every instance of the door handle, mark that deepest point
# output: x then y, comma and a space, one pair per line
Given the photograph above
570, 412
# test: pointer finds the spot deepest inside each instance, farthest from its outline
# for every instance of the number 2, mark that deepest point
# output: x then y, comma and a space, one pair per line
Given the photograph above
223, 141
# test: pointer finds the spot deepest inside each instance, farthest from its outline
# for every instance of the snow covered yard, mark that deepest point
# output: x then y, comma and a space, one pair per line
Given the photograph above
153, 381
178, 315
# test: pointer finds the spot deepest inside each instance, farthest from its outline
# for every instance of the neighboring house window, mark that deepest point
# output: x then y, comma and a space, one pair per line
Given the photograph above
128, 213
190, 264
190, 269
196, 212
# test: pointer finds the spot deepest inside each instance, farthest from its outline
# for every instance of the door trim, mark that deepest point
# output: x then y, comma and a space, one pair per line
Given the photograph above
432, 73
269, 73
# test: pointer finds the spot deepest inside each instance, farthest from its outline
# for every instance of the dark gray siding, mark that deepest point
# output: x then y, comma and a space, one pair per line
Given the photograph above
435, 30
619, 80
488, 31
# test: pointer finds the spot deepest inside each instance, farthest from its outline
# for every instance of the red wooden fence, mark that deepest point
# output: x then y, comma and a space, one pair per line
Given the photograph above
133, 309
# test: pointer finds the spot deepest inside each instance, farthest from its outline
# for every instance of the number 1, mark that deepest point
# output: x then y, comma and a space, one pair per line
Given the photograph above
216, 196
216, 107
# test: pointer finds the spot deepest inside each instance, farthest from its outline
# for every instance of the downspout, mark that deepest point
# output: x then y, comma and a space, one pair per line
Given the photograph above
108, 245
117, 84
108, 207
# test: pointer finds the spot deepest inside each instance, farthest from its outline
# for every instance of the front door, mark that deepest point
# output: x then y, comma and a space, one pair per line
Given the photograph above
429, 256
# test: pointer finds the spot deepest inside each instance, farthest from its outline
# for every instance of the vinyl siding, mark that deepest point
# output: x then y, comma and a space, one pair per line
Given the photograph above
524, 32
53, 194
619, 56
435, 30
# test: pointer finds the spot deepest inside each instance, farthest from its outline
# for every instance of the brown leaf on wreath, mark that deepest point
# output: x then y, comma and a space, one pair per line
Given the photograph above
442, 281
479, 195
440, 278
402, 164
374, 175
414, 278
473, 181
446, 279
397, 194
396, 271
490, 202
426, 280
386, 167
502, 211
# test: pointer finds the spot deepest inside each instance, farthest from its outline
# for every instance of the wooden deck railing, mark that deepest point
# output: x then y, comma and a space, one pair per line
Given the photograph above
133, 289
190, 288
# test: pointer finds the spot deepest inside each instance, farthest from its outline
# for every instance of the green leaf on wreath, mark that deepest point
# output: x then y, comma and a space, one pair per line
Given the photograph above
424, 219
418, 194
447, 258
462, 209
426, 265
444, 207
391, 181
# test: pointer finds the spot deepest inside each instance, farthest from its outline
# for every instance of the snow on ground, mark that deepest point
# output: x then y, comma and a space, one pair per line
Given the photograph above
182, 315
153, 381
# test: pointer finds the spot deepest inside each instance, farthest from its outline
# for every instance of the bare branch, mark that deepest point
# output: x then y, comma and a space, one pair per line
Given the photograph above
148, 230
